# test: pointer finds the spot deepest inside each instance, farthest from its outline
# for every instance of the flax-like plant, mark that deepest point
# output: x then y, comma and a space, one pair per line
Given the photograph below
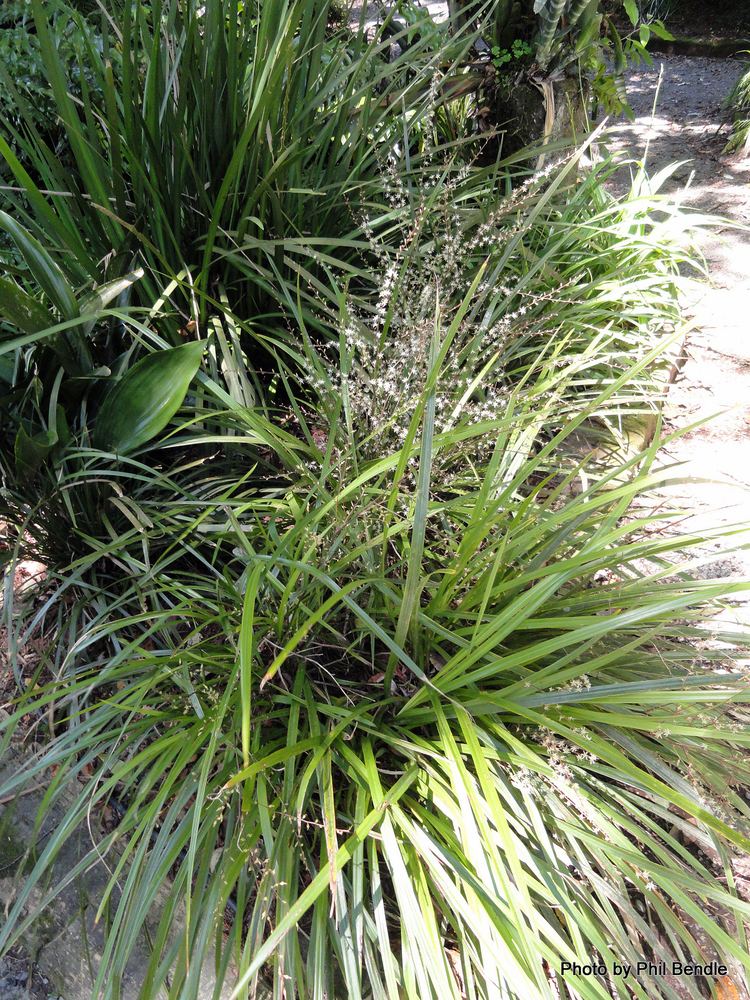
427, 718
738, 103
201, 126
367, 672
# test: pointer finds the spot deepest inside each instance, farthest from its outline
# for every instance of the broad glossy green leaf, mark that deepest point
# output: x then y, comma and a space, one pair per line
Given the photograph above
31, 451
658, 29
631, 9
146, 398
22, 310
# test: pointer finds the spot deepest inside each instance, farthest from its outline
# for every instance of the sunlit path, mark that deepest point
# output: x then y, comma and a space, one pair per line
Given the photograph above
680, 118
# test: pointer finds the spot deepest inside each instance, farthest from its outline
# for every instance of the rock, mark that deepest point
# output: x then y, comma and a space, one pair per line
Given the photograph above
62, 947
21, 980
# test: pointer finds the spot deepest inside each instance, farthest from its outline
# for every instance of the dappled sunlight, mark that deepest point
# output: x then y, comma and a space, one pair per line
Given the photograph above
679, 117
437, 9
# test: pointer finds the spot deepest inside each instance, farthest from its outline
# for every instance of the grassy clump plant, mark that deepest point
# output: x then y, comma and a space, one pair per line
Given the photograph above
415, 710
368, 670
211, 127
738, 104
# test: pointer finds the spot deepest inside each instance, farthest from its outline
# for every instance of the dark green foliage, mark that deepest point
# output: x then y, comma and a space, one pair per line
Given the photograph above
738, 103
575, 38
25, 97
254, 133
146, 398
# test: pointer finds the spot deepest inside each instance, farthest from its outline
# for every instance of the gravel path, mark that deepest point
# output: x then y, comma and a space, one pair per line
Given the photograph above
689, 126
375, 10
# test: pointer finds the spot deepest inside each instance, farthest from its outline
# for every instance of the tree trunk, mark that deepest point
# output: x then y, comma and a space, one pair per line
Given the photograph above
531, 117
528, 107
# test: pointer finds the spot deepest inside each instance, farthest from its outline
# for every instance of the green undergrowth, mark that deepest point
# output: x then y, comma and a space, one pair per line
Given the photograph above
359, 639
392, 710
738, 104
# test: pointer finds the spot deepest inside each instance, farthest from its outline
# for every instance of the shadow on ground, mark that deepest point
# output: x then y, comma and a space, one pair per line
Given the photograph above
680, 118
